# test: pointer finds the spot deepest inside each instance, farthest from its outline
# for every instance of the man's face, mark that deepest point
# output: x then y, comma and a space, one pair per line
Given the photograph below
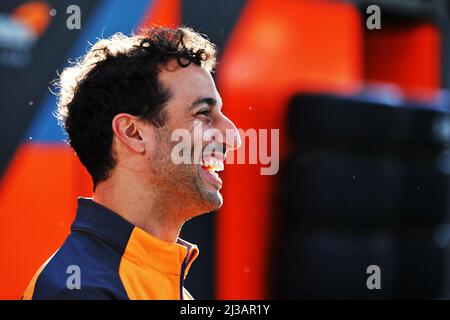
195, 107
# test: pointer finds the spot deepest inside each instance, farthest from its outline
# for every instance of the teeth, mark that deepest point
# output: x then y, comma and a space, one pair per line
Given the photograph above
213, 164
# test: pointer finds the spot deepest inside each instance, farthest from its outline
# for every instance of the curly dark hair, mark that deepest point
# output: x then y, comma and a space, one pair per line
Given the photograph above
120, 74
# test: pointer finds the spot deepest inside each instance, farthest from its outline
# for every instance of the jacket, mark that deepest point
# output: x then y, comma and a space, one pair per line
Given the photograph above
106, 257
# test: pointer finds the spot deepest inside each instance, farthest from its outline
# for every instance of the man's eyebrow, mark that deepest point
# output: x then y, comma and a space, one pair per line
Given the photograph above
204, 100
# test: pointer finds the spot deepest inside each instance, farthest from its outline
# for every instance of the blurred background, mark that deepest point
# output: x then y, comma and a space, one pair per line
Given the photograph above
364, 143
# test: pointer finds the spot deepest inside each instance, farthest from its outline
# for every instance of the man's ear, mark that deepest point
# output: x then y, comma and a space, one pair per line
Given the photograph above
127, 129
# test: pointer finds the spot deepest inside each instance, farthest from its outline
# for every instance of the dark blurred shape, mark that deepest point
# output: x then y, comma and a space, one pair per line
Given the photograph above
366, 184
216, 19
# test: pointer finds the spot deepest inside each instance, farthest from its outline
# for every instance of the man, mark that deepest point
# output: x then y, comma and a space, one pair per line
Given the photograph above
121, 105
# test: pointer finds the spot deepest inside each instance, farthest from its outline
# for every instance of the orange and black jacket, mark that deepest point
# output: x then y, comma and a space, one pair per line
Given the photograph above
115, 259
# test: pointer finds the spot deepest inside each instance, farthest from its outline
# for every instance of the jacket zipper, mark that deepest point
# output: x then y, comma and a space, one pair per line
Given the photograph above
183, 267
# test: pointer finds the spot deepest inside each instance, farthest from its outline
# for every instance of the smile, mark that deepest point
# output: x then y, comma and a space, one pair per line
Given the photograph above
209, 170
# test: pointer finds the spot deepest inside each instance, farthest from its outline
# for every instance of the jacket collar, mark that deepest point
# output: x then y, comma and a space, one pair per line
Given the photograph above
133, 242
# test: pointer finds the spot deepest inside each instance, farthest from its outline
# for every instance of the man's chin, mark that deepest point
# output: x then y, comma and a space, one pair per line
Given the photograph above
210, 193
212, 201
215, 201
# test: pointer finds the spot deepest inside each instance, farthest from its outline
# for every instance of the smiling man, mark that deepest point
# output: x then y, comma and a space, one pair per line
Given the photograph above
120, 105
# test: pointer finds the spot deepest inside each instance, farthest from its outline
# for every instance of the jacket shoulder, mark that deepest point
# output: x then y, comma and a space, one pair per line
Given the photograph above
85, 267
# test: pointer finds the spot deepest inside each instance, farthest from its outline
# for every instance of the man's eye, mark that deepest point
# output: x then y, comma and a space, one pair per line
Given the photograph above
204, 112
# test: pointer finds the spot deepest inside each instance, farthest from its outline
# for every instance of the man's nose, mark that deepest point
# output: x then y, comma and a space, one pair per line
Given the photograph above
230, 133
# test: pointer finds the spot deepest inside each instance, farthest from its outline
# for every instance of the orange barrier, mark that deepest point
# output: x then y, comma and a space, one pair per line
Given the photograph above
38, 197
163, 12
408, 55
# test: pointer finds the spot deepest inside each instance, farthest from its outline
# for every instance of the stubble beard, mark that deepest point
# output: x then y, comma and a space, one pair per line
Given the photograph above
180, 185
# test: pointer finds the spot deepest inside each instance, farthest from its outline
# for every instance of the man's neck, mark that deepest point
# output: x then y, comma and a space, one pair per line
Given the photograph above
141, 206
